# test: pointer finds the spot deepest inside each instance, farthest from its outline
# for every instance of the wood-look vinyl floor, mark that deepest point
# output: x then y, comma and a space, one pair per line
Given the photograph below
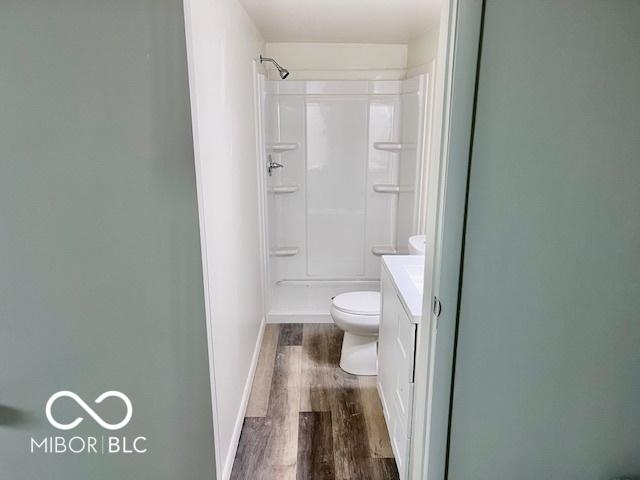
307, 419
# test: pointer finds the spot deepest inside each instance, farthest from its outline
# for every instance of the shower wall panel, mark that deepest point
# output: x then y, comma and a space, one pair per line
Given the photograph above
325, 226
412, 108
382, 170
288, 210
336, 180
333, 205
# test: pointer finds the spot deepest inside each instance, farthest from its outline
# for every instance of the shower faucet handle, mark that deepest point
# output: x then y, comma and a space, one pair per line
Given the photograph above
273, 165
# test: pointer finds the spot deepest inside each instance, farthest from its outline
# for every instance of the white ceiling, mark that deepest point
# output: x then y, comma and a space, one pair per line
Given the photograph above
343, 21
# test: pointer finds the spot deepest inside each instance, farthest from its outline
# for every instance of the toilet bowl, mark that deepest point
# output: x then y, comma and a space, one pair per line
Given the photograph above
358, 314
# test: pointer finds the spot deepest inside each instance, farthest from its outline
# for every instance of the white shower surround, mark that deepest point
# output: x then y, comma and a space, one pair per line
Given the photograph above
351, 153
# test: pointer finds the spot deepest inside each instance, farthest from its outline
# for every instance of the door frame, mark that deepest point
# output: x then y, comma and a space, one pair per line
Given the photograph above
191, 47
455, 91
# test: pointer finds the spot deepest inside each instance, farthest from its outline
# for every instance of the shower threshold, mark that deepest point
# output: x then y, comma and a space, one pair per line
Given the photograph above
309, 301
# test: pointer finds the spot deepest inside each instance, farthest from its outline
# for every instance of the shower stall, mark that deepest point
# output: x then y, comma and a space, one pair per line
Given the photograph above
342, 163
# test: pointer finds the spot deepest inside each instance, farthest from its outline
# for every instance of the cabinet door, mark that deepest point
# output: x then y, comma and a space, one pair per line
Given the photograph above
388, 326
396, 362
403, 353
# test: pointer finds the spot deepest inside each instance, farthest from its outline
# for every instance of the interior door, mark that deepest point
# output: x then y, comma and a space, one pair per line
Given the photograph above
547, 375
103, 348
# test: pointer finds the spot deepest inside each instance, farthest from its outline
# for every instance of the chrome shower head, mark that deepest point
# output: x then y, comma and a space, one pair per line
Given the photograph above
284, 73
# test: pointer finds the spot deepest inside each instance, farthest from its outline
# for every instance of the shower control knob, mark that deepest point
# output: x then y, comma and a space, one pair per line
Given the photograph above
273, 165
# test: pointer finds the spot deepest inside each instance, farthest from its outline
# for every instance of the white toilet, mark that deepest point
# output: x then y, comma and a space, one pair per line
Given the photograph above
358, 314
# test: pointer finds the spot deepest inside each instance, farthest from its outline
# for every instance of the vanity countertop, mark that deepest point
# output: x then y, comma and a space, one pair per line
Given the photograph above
407, 273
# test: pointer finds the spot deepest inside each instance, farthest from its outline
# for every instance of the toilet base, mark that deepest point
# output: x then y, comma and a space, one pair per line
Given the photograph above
359, 354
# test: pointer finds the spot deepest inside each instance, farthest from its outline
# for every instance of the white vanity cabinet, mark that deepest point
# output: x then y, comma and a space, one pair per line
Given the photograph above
396, 350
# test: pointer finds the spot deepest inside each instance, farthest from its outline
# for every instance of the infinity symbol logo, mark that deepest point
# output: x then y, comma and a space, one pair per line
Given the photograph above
89, 410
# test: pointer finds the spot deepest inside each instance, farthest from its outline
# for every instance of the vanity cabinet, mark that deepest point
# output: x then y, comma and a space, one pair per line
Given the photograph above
396, 355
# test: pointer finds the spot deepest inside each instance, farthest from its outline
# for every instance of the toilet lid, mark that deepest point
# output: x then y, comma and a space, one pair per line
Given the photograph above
358, 303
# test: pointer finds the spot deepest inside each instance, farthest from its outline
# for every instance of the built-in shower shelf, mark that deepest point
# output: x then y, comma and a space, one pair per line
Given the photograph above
281, 147
383, 250
388, 188
393, 146
284, 189
384, 188
284, 251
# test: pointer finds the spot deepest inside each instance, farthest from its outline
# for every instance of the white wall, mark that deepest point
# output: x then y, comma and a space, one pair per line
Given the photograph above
222, 43
356, 61
339, 61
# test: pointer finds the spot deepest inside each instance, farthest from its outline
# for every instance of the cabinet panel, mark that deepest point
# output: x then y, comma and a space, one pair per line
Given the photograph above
396, 351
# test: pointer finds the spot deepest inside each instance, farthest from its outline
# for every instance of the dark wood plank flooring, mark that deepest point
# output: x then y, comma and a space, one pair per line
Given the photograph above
315, 446
313, 421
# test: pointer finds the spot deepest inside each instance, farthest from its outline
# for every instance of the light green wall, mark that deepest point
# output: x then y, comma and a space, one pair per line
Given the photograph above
547, 379
100, 270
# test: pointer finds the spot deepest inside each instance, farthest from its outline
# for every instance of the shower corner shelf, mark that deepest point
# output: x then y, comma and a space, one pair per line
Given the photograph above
393, 146
280, 147
383, 250
279, 189
284, 251
386, 188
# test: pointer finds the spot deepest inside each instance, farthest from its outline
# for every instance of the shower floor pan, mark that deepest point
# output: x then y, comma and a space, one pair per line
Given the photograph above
308, 301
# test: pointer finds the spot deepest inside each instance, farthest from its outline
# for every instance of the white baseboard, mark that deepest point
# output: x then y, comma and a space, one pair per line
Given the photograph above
293, 318
237, 429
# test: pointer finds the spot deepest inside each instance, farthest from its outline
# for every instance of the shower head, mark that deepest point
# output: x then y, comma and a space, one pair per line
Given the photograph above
284, 73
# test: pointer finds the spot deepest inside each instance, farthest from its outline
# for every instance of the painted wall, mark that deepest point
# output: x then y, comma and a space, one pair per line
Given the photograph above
100, 268
339, 61
222, 46
548, 365
356, 61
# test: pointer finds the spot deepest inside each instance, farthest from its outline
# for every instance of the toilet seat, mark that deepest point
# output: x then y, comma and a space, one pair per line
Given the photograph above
358, 303
357, 312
